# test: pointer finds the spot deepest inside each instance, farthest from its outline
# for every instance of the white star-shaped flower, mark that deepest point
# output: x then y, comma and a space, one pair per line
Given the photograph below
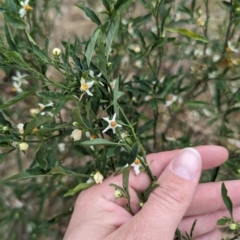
19, 78
112, 124
25, 8
17, 87
91, 74
136, 166
85, 86
42, 107
170, 99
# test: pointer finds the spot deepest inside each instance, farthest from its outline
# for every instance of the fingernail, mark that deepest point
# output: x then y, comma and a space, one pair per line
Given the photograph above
187, 163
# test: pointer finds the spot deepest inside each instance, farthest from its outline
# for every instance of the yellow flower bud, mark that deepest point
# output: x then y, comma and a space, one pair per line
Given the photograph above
57, 51
23, 146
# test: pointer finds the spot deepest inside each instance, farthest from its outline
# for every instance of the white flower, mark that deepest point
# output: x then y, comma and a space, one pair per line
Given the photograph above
198, 53
42, 107
34, 111
57, 51
23, 146
17, 87
91, 73
98, 177
112, 124
25, 8
91, 137
90, 180
20, 128
170, 99
136, 166
231, 48
85, 86
61, 147
19, 78
216, 58
76, 134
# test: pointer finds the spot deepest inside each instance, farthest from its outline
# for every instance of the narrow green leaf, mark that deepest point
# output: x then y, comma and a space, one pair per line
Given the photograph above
186, 32
94, 18
76, 114
10, 38
106, 5
125, 179
141, 38
112, 33
99, 141
115, 97
227, 201
14, 20
78, 188
30, 173
133, 154
41, 158
12, 6
16, 99
121, 5
196, 103
91, 46
3, 121
36, 122
192, 228
51, 95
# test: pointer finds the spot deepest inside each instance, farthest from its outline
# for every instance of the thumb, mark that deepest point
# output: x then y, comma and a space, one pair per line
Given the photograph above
167, 204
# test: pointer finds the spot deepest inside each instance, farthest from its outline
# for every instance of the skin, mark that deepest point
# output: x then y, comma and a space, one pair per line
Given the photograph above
177, 202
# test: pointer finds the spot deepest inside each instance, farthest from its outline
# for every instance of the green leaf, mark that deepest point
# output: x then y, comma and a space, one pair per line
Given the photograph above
76, 114
121, 5
192, 228
115, 97
125, 179
41, 158
12, 6
15, 57
106, 5
141, 38
78, 188
90, 14
224, 221
14, 20
227, 5
99, 141
16, 99
111, 34
227, 201
10, 38
133, 153
3, 121
51, 95
37, 50
30, 173
36, 122
188, 33
91, 46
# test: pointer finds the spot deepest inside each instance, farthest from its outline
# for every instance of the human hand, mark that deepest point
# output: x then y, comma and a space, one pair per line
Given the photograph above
178, 200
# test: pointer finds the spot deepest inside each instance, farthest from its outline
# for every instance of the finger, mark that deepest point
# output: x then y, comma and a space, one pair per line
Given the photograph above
207, 222
212, 156
208, 197
215, 234
168, 203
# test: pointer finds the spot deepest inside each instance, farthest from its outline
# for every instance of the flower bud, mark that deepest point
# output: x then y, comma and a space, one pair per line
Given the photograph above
5, 128
75, 124
98, 177
118, 193
57, 51
233, 226
23, 146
